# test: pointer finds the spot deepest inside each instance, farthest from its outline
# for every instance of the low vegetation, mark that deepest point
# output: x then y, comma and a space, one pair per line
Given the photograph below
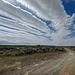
19, 51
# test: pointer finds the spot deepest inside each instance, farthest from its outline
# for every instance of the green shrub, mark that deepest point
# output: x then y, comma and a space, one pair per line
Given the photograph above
39, 51
44, 49
28, 51
51, 49
34, 51
1, 52
8, 54
61, 49
47, 49
20, 53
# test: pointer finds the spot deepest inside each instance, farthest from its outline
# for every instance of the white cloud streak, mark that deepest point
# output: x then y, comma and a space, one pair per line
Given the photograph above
21, 15
49, 10
16, 25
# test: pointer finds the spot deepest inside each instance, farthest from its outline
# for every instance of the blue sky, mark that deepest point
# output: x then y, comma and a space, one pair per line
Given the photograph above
69, 6
32, 22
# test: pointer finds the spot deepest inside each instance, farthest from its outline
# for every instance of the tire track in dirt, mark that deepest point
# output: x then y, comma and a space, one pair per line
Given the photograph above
56, 66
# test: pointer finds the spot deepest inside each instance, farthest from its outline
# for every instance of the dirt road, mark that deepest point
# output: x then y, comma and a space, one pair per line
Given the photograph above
63, 65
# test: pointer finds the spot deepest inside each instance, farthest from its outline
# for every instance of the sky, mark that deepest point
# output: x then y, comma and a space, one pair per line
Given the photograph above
33, 22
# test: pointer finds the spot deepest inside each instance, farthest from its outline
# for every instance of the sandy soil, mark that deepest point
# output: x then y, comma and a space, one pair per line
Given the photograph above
56, 63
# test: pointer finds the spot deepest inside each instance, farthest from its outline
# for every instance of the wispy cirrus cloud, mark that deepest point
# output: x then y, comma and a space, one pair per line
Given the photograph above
31, 17
20, 15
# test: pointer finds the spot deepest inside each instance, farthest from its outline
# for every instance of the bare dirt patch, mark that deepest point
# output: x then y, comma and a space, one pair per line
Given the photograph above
67, 70
9, 64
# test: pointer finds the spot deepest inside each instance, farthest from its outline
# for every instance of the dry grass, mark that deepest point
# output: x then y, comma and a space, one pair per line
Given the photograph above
16, 62
6, 67
24, 57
